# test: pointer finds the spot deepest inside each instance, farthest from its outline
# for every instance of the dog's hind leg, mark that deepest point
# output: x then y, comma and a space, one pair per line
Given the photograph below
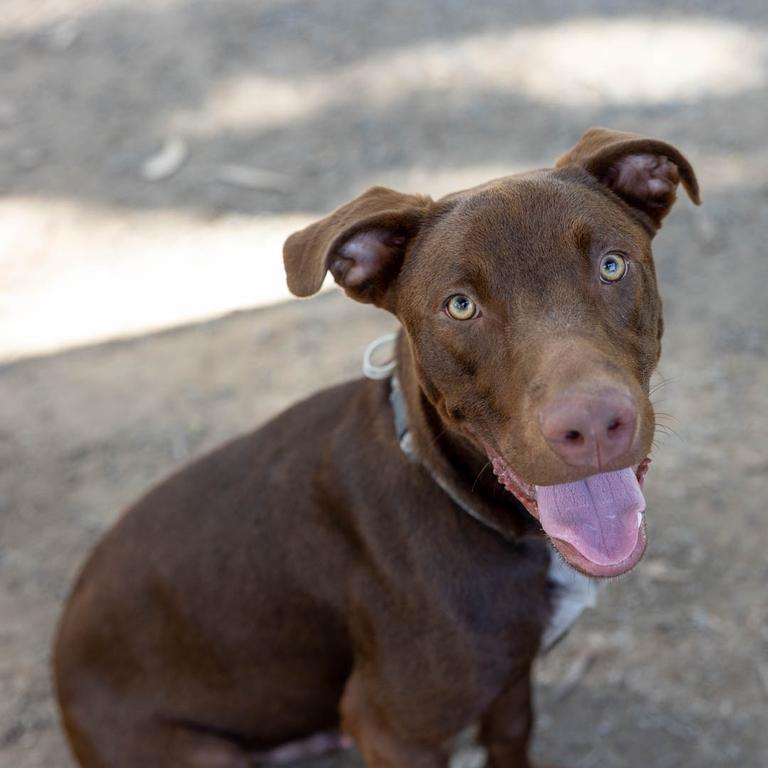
104, 740
384, 736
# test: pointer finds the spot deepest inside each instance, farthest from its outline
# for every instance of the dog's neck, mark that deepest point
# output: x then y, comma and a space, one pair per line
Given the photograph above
456, 465
453, 462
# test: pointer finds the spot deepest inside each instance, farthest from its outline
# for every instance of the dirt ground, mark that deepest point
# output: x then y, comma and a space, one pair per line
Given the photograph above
671, 670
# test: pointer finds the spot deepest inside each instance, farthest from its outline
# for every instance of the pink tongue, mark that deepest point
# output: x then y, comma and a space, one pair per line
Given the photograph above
598, 516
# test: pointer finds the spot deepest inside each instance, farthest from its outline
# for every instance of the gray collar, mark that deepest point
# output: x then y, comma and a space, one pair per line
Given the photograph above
400, 414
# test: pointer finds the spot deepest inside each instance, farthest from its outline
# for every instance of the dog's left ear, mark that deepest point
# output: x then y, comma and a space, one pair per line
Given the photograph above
641, 171
362, 243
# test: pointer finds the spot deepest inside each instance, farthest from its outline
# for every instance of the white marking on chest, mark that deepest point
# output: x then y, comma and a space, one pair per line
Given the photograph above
572, 592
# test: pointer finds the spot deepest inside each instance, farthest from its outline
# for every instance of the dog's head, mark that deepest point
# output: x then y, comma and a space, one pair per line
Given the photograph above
534, 321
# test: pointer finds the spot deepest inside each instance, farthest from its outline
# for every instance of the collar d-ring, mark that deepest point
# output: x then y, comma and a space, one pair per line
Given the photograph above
373, 370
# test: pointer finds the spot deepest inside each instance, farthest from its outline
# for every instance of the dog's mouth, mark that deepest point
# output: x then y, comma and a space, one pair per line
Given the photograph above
597, 524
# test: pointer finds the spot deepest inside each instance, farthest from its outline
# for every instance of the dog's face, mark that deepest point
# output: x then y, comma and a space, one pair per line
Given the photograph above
506, 303
534, 322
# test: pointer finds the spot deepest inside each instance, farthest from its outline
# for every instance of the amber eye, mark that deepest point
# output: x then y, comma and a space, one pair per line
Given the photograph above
613, 266
461, 307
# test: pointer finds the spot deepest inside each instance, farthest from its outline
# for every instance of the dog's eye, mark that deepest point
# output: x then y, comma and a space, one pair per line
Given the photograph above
613, 266
461, 307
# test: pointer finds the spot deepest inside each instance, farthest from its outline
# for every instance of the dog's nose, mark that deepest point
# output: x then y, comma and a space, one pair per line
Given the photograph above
590, 429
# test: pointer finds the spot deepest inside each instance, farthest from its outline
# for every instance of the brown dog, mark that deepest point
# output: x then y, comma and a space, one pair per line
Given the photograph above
351, 564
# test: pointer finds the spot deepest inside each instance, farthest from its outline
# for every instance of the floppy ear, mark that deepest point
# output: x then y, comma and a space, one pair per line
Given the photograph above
643, 172
362, 243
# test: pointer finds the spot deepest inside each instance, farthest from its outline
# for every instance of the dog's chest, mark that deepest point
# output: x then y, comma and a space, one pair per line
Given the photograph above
571, 592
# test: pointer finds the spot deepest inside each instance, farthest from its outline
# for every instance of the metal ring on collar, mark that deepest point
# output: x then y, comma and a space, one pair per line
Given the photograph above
374, 370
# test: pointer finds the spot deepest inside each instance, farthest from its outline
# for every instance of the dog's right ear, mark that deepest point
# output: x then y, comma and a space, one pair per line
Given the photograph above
362, 243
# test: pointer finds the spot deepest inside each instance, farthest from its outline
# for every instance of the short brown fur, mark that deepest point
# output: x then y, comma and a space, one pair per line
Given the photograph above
310, 575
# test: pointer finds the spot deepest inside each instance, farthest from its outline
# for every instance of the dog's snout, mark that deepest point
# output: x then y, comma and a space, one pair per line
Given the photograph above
590, 429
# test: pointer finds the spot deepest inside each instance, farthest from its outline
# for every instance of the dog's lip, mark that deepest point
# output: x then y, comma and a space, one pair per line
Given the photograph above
523, 491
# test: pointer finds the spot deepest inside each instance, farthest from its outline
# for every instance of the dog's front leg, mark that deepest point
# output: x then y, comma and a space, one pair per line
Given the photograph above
386, 735
505, 728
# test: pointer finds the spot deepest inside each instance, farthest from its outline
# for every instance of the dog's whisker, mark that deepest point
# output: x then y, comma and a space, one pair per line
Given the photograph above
434, 440
661, 384
668, 431
666, 415
482, 469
